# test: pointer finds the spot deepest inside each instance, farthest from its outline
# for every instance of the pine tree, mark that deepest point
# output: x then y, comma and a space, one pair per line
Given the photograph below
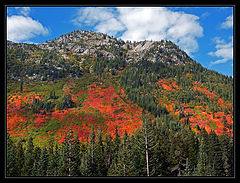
29, 158
75, 157
216, 153
43, 163
62, 163
53, 161
161, 151
90, 156
20, 157
192, 150
11, 157
138, 151
36, 155
226, 154
108, 151
100, 155
115, 150
200, 169
143, 148
187, 170
124, 165
177, 154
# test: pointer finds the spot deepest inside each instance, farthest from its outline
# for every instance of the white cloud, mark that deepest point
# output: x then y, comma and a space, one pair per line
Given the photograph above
228, 23
224, 51
141, 23
92, 16
21, 28
110, 26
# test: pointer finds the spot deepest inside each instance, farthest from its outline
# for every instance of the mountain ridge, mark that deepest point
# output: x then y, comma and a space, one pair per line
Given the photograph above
99, 44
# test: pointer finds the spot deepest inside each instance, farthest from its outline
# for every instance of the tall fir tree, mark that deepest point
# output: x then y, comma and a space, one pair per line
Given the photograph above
125, 165
226, 154
36, 154
100, 155
216, 153
90, 168
20, 156
12, 169
43, 162
29, 157
201, 168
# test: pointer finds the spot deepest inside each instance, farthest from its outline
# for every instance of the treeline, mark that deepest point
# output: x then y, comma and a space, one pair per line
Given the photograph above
153, 150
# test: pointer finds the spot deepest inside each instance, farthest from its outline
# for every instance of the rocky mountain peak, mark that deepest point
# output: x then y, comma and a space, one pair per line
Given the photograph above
82, 42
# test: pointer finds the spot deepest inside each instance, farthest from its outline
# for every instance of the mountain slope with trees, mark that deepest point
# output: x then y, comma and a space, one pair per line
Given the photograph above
87, 104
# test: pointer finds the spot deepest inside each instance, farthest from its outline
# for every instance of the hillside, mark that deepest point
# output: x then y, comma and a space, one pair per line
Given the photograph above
86, 82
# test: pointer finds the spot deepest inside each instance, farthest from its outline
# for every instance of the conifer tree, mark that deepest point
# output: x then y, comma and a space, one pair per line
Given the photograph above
53, 161
11, 158
226, 154
36, 154
192, 150
75, 157
90, 155
43, 162
100, 155
144, 144
138, 151
29, 158
108, 151
200, 169
125, 166
62, 163
20, 156
215, 153
115, 150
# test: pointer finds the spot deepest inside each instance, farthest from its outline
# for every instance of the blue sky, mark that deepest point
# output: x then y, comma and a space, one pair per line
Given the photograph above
205, 33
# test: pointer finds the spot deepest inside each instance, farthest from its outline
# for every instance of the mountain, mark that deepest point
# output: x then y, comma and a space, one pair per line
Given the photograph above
84, 84
99, 44
141, 68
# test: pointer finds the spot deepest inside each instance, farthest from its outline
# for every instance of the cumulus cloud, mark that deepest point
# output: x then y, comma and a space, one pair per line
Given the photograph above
228, 23
22, 28
224, 51
103, 19
136, 24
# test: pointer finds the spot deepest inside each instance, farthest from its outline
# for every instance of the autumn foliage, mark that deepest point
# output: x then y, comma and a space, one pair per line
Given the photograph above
104, 108
198, 114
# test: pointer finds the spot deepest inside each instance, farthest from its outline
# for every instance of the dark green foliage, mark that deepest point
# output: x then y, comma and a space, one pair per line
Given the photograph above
125, 164
108, 65
43, 163
65, 102
216, 154
12, 169
20, 157
29, 157
100, 156
41, 106
52, 95
90, 167
153, 150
